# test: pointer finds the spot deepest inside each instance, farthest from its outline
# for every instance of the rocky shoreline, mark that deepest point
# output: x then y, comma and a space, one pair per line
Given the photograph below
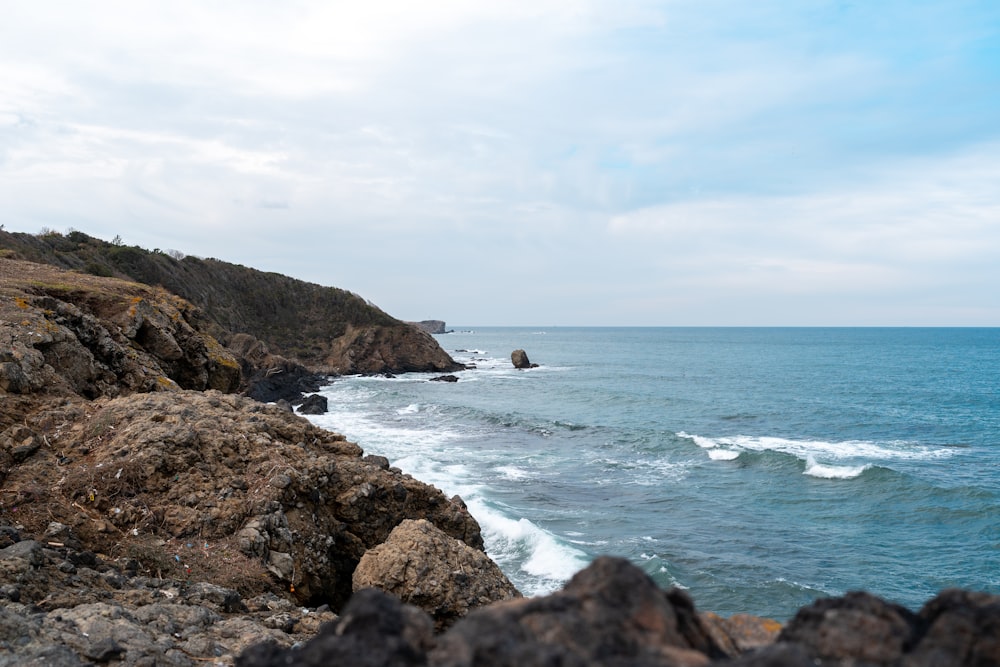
153, 511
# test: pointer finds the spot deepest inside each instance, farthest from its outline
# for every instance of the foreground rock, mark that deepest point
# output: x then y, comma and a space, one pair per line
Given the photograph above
66, 607
226, 473
422, 566
612, 614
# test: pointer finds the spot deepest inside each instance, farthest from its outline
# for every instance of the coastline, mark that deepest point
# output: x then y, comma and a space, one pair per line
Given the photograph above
152, 515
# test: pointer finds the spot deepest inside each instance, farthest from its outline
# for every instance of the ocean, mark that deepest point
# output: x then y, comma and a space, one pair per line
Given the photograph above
758, 468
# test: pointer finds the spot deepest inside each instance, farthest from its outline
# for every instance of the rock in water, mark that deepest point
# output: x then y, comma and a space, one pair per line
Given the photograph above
314, 405
520, 359
423, 566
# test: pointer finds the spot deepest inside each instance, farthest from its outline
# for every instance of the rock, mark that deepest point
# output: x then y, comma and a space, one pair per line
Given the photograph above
610, 613
960, 627
67, 333
387, 349
424, 567
740, 633
520, 359
444, 378
375, 630
314, 405
431, 326
78, 619
857, 626
955, 628
289, 504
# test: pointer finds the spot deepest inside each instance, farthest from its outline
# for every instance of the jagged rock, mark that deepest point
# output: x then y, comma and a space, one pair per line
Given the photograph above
375, 630
740, 633
431, 326
269, 377
444, 378
610, 613
70, 333
956, 628
387, 349
424, 567
78, 610
222, 474
314, 405
520, 359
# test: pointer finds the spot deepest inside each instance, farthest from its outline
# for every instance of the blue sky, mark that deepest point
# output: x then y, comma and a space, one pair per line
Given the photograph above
687, 162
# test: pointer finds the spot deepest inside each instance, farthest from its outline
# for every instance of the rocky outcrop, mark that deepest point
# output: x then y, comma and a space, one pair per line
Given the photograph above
270, 378
314, 405
313, 325
611, 613
431, 326
63, 606
228, 474
955, 628
382, 349
65, 333
520, 360
423, 566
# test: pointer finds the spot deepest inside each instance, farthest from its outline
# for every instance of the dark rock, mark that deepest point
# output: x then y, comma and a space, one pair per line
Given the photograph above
857, 626
380, 461
960, 628
520, 359
314, 405
375, 630
104, 650
611, 613
444, 378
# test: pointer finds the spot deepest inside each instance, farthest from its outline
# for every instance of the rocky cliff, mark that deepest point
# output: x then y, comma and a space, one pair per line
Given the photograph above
324, 328
150, 516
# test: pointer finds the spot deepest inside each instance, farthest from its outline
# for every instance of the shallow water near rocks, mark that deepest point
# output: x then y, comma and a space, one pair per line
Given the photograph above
757, 468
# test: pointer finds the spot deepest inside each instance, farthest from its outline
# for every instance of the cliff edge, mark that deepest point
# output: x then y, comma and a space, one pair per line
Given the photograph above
329, 330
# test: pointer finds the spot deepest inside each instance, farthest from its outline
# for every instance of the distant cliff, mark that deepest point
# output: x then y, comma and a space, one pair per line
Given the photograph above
327, 329
432, 326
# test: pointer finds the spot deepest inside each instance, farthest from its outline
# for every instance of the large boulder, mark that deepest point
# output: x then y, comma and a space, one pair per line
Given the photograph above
956, 628
423, 566
520, 360
609, 614
401, 348
314, 404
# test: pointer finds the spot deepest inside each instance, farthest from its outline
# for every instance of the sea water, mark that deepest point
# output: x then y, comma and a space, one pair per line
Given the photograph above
759, 468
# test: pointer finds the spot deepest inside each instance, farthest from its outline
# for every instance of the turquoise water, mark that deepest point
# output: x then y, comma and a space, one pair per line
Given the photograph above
758, 468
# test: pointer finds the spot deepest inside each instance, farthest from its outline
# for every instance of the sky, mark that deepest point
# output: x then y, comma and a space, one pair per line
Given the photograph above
543, 163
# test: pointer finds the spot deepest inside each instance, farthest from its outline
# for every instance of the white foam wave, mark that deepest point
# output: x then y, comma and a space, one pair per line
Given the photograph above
513, 472
536, 561
719, 454
833, 472
847, 451
547, 561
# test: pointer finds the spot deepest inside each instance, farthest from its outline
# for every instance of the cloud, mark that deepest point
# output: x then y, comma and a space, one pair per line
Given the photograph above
616, 148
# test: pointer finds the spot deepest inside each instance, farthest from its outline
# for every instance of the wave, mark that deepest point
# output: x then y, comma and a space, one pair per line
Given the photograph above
841, 460
814, 469
543, 562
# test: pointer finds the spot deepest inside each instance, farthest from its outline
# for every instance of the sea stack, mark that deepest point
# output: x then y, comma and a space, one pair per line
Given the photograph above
520, 359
